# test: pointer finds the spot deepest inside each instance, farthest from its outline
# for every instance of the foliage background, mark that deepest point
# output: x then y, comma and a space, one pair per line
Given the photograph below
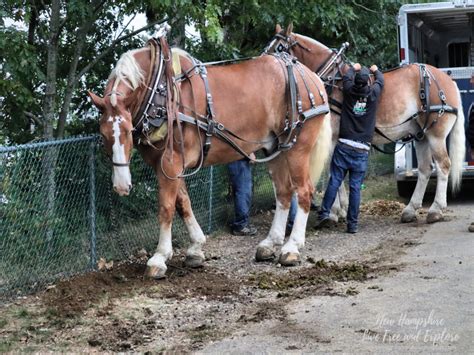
53, 51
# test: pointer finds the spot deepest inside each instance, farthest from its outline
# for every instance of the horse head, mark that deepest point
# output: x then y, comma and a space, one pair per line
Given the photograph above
116, 122
310, 52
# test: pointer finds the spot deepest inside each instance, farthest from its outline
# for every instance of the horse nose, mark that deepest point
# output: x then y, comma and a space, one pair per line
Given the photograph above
123, 191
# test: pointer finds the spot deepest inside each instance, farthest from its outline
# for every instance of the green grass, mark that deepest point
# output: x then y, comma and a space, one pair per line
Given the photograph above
380, 188
3, 323
22, 313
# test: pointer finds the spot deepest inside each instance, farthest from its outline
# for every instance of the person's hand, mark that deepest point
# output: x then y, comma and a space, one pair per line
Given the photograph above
373, 68
357, 67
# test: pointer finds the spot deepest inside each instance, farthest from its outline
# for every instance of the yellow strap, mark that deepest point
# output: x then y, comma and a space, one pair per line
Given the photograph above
159, 133
176, 64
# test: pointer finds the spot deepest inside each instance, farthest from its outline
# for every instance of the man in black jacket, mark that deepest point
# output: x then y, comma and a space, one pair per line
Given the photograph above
355, 134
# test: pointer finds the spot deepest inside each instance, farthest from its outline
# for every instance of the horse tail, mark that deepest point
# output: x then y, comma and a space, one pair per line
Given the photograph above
321, 150
457, 147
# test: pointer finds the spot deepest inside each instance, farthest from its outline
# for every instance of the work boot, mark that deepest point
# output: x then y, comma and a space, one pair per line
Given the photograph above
322, 222
244, 231
351, 230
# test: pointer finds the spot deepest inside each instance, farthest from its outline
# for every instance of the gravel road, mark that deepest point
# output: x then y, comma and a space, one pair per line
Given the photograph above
390, 288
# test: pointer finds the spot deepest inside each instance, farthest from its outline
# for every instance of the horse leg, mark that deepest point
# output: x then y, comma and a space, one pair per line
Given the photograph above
335, 209
290, 255
423, 155
194, 254
343, 200
168, 192
443, 164
283, 193
339, 207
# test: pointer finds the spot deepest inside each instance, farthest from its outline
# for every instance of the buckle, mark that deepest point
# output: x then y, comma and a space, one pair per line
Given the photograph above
422, 94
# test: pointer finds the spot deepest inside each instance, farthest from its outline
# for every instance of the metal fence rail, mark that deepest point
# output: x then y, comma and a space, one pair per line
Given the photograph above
58, 213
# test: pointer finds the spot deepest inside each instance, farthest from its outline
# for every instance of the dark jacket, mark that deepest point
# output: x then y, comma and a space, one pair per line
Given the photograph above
470, 129
359, 107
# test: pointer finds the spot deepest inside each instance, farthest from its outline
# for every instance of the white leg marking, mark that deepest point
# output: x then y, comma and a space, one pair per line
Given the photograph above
423, 155
297, 237
344, 200
164, 251
277, 231
440, 201
197, 237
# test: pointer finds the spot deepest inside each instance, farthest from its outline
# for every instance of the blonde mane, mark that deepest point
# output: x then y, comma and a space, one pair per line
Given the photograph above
127, 71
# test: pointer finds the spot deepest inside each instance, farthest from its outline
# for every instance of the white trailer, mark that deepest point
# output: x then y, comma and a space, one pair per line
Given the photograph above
440, 34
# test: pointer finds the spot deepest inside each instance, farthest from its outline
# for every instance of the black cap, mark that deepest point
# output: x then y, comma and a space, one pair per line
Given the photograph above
362, 77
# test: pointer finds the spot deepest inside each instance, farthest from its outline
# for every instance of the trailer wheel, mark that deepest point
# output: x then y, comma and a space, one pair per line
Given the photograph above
406, 188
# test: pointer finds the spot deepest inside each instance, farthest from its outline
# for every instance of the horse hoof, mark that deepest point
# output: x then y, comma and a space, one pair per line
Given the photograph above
154, 272
290, 259
434, 217
408, 217
194, 261
264, 254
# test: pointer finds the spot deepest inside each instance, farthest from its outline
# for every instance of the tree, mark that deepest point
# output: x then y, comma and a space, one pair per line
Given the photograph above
43, 75
62, 48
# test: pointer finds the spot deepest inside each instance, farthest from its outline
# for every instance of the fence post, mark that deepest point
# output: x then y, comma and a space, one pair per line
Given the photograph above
92, 206
211, 188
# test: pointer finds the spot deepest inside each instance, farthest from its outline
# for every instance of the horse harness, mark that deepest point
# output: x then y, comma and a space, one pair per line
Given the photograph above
152, 113
330, 71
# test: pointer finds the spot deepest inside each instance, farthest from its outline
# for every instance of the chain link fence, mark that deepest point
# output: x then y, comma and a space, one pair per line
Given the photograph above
59, 214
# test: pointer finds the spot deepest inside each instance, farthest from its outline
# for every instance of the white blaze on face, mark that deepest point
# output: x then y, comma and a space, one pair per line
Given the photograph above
121, 177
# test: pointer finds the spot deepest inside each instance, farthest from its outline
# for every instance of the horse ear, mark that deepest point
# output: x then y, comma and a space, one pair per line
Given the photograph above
289, 29
97, 101
277, 28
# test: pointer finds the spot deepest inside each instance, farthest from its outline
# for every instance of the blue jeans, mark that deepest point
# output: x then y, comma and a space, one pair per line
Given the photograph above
345, 159
240, 175
293, 208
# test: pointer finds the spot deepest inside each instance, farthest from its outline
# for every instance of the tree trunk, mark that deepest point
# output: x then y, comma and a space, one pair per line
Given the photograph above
51, 71
178, 34
72, 79
50, 156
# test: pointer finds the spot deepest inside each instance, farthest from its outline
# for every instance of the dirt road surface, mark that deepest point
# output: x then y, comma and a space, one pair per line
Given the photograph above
427, 307
391, 287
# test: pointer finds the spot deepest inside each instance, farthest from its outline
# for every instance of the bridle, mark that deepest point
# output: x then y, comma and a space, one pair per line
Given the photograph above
119, 164
335, 60
118, 93
285, 44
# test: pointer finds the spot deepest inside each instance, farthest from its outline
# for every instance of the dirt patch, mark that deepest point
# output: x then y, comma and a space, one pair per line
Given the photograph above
73, 296
321, 274
383, 208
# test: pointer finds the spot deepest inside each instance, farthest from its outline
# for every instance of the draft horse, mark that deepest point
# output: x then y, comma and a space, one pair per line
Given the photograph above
418, 103
215, 114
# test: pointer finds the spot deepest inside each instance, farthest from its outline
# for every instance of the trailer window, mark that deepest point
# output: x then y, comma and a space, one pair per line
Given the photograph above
458, 54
